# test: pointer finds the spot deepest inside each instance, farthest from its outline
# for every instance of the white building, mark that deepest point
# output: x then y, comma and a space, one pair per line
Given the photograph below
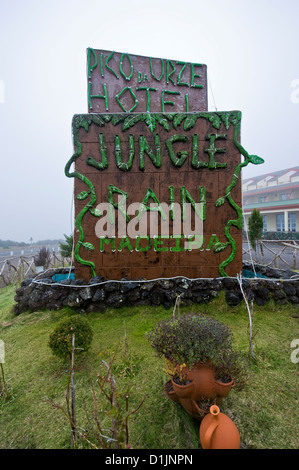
276, 196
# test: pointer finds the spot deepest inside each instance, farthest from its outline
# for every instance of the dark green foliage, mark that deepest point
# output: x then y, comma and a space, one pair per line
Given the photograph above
43, 257
66, 248
190, 338
196, 338
255, 227
10, 243
60, 340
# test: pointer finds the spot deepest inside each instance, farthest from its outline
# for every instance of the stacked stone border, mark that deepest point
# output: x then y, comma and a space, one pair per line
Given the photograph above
43, 292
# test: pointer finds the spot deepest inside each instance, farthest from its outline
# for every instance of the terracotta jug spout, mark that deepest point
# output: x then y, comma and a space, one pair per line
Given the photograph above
218, 431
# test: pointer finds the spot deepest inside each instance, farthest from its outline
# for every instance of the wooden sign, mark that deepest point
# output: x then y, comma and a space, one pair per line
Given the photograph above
121, 82
135, 177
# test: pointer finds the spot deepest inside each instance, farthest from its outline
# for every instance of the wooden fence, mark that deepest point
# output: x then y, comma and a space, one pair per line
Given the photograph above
14, 270
273, 253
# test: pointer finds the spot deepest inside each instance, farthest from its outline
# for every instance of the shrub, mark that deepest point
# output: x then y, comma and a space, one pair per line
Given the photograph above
66, 248
60, 341
190, 339
43, 257
195, 338
255, 227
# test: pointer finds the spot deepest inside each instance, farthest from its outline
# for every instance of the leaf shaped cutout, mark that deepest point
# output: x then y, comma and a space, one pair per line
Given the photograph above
220, 202
116, 119
256, 160
178, 118
151, 122
96, 212
163, 121
220, 247
83, 195
215, 120
131, 120
87, 245
190, 122
98, 120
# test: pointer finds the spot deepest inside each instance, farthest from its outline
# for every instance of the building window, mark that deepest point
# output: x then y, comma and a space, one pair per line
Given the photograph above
280, 223
292, 222
262, 198
285, 196
264, 223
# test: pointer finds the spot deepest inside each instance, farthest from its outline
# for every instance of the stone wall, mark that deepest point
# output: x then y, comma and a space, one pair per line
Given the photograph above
45, 293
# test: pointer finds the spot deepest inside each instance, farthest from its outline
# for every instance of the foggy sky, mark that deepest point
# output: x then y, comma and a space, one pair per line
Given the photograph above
250, 49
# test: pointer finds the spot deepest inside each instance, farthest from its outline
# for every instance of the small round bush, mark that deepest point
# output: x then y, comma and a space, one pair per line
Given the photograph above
60, 340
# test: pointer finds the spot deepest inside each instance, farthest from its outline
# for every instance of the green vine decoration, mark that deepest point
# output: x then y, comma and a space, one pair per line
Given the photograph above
254, 159
187, 121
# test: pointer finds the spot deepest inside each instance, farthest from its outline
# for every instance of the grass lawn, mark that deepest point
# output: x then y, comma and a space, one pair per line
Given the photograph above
265, 412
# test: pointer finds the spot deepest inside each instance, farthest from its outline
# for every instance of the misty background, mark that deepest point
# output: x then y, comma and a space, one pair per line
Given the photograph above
251, 53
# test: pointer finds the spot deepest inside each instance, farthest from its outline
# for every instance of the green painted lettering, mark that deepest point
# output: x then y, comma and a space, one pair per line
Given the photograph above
107, 64
162, 70
200, 210
107, 241
212, 150
121, 205
143, 248
133, 96
145, 148
158, 244
177, 246
118, 153
121, 67
155, 208
168, 75
103, 151
213, 241
181, 156
179, 82
193, 75
90, 68
195, 163
104, 96
148, 99
125, 243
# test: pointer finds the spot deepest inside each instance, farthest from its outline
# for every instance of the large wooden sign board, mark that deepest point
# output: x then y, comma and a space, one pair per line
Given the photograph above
119, 82
157, 194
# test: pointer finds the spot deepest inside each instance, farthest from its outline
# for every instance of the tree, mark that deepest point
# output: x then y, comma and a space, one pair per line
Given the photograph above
66, 248
255, 227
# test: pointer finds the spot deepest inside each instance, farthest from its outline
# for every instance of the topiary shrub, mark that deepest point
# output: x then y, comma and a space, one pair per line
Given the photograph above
60, 341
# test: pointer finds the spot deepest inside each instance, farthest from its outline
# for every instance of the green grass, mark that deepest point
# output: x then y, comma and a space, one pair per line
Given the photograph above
265, 412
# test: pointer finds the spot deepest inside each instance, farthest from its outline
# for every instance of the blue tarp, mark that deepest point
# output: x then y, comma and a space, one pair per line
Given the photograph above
247, 273
60, 277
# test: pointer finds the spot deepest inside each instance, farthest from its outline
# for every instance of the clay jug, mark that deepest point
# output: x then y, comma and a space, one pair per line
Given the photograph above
218, 431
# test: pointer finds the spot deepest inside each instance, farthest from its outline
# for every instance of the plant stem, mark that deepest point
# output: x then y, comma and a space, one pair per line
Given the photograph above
250, 317
73, 404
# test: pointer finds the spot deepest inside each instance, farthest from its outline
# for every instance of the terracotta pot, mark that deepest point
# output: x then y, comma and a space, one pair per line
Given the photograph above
218, 431
203, 378
182, 391
168, 388
222, 389
193, 409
